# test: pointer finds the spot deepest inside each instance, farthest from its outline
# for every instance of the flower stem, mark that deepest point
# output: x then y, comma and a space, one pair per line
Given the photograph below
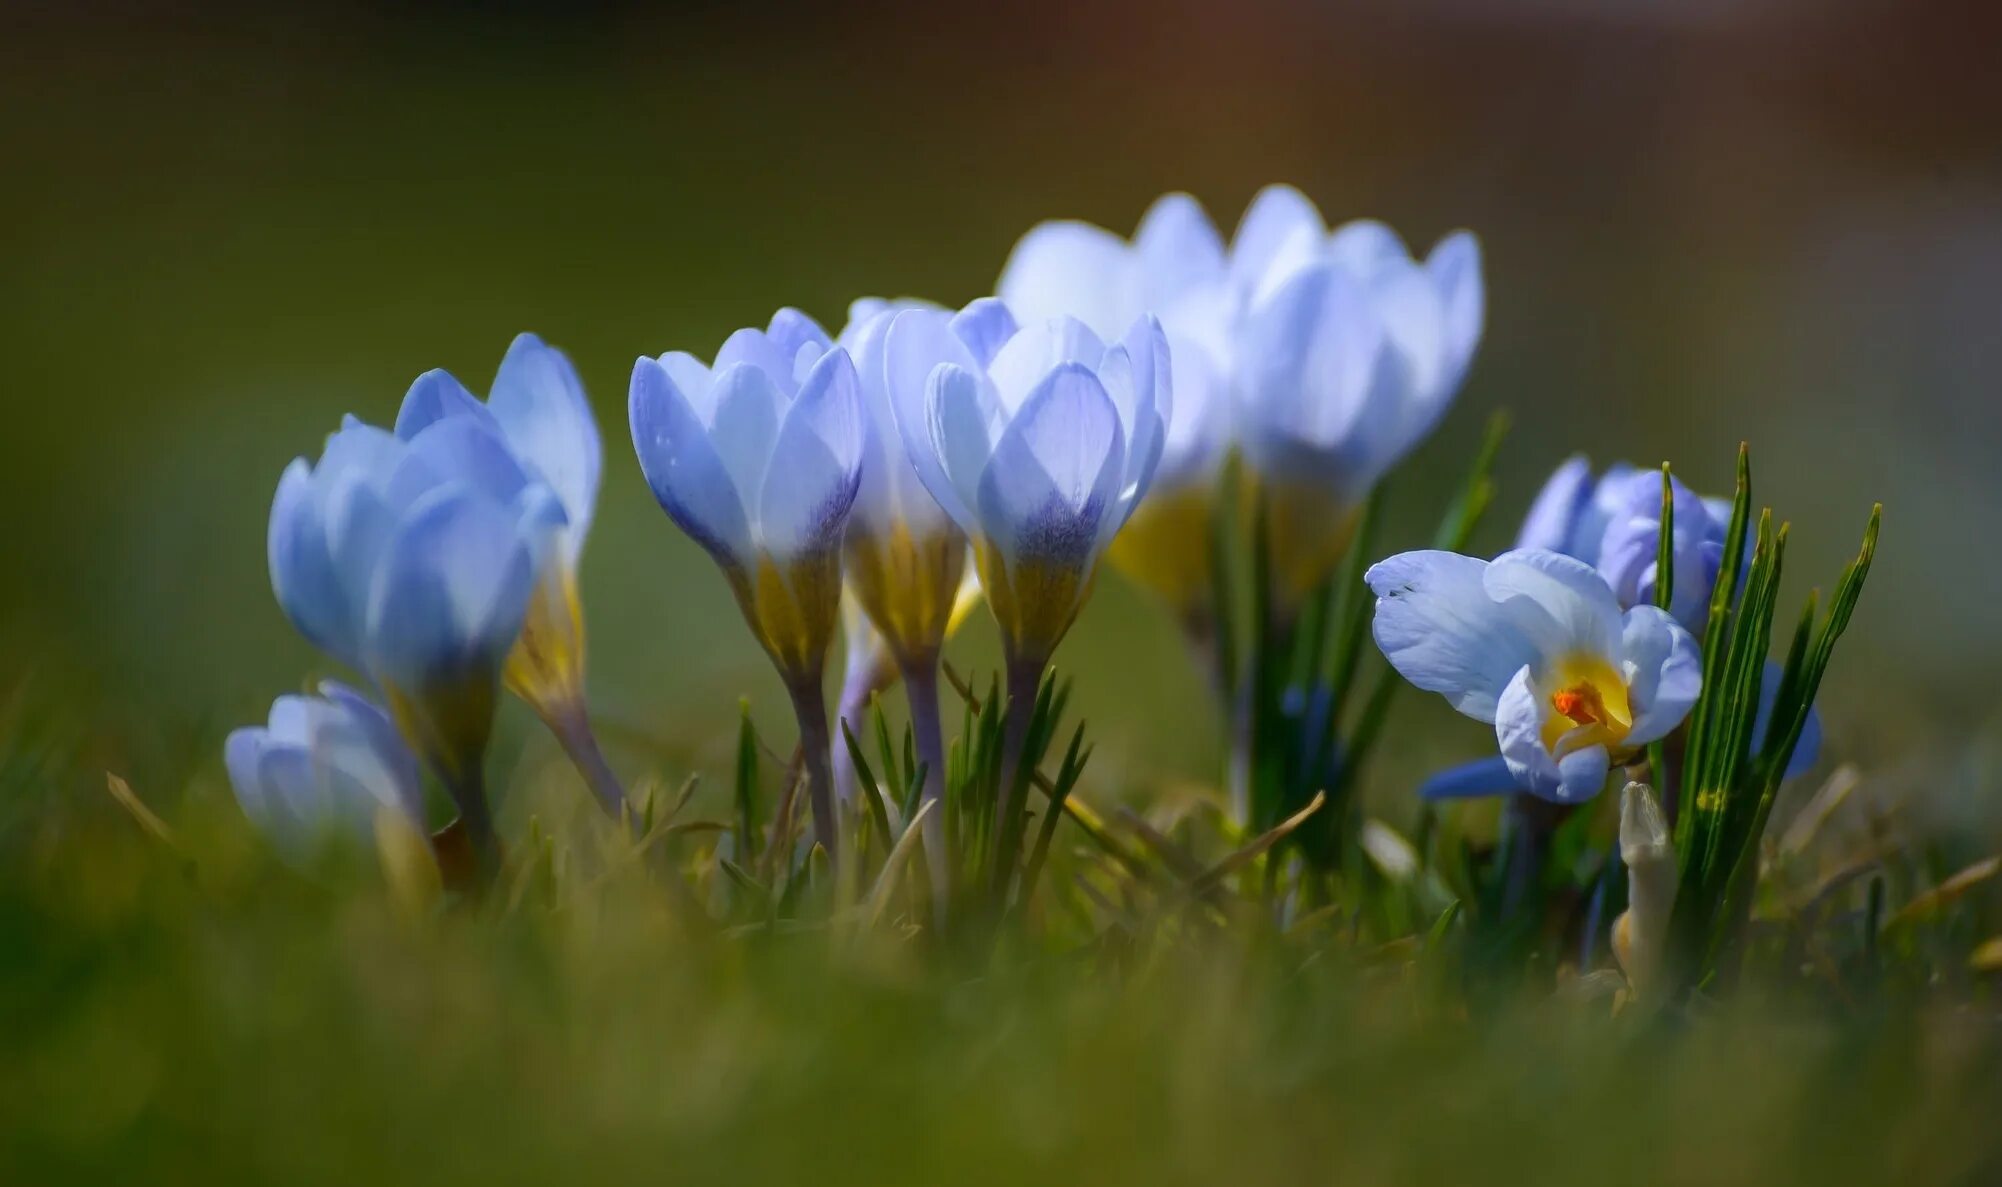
809, 704
572, 727
921, 686
1024, 680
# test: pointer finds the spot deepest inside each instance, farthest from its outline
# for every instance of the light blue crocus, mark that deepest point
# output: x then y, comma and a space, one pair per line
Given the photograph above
1536, 643
1613, 522
1349, 352
538, 407
413, 556
758, 459
1038, 441
323, 768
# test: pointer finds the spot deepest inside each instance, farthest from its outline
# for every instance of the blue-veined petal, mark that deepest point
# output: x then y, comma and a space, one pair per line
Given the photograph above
1055, 472
1560, 604
682, 468
1555, 512
450, 592
303, 574
985, 326
1438, 626
816, 463
1664, 673
437, 395
960, 441
1470, 780
750, 406
540, 404
919, 341
1038, 348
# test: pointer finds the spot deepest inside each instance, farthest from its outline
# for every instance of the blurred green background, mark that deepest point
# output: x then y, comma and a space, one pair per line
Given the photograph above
1704, 222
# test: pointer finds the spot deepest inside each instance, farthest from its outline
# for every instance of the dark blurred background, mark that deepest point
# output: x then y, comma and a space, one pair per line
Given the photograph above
1704, 221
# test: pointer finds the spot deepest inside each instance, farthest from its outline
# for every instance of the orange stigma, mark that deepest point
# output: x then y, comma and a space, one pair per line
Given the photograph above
1581, 703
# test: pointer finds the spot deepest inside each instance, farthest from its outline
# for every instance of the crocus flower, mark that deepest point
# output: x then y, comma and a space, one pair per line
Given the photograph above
1039, 455
1177, 269
1038, 442
413, 557
537, 406
324, 767
1613, 522
905, 556
758, 459
1535, 643
1348, 354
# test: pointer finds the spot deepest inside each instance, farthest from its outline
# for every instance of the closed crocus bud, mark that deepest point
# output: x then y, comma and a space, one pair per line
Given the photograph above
905, 556
758, 459
1640, 935
413, 556
1535, 643
1039, 455
537, 406
324, 768
1175, 268
1349, 353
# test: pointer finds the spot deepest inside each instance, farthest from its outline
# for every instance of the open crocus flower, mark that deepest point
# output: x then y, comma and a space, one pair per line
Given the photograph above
537, 406
1039, 456
1536, 643
1348, 354
758, 459
1175, 268
413, 557
323, 768
1613, 522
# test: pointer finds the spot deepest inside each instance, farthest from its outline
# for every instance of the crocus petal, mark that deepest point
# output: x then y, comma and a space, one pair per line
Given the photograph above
540, 404
959, 445
303, 575
1470, 780
749, 408
759, 351
468, 450
1071, 269
682, 467
373, 750
434, 396
1807, 750
985, 326
800, 339
451, 591
1278, 214
1054, 473
1519, 716
918, 343
1439, 627
1560, 604
1308, 359
1455, 267
1027, 359
1664, 672
1177, 246
1549, 522
815, 464
1366, 246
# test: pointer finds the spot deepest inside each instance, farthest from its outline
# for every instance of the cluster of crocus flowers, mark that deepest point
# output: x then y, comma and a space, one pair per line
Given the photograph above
758, 459
416, 556
1323, 356
1536, 644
